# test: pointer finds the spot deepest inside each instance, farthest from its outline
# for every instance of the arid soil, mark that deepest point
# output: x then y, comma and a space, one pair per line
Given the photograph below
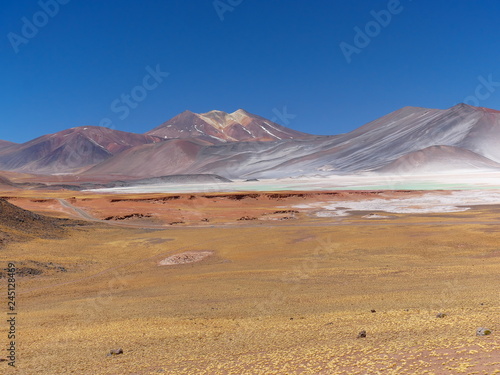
203, 209
283, 291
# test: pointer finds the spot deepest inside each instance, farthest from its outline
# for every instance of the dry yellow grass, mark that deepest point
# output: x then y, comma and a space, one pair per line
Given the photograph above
275, 298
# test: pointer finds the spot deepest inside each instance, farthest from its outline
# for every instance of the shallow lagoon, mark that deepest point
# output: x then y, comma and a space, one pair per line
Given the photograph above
470, 181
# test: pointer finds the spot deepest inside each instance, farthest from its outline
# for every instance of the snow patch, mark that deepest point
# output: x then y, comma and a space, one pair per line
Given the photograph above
268, 132
213, 136
97, 144
245, 129
274, 127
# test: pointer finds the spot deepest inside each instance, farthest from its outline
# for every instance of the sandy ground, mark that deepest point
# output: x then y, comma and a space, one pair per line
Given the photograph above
205, 209
284, 290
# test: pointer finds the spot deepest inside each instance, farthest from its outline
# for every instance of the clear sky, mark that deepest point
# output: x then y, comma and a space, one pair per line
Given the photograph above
274, 58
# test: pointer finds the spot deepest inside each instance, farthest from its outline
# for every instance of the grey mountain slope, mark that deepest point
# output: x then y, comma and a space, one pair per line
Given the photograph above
367, 148
440, 160
380, 142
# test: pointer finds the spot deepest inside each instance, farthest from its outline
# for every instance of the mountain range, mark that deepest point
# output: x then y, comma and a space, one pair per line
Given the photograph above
240, 145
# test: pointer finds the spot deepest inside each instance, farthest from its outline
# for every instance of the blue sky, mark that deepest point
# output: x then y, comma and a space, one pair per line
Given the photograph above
264, 56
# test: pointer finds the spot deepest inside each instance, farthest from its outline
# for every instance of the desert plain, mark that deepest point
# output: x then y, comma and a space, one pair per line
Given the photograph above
254, 283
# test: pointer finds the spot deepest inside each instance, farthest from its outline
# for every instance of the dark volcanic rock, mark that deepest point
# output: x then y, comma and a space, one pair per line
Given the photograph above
16, 222
31, 268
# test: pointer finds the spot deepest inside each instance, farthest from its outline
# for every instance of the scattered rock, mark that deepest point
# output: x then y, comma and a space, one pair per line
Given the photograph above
362, 334
28, 271
115, 352
32, 268
186, 257
125, 217
440, 315
243, 218
483, 331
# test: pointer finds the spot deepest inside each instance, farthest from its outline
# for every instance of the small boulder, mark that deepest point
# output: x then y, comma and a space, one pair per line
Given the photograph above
115, 352
440, 315
362, 334
483, 331
373, 310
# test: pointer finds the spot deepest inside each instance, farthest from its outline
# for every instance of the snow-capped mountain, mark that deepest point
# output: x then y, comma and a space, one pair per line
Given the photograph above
220, 127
